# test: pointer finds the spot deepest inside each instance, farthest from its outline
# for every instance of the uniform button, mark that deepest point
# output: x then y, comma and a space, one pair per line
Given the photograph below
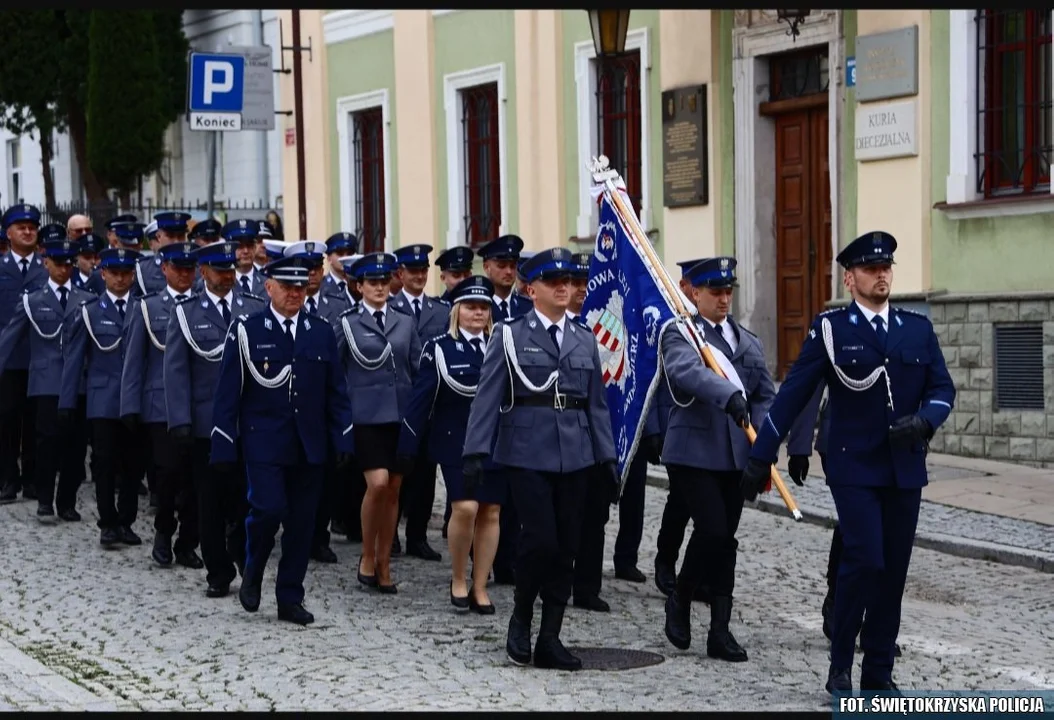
887, 361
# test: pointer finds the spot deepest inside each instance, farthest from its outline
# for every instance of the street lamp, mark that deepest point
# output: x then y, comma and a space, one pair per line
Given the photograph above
609, 31
794, 18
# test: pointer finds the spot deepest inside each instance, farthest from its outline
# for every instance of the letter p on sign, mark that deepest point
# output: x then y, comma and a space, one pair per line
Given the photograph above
219, 78
217, 82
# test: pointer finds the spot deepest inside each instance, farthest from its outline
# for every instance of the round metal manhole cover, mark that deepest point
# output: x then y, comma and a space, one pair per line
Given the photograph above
596, 658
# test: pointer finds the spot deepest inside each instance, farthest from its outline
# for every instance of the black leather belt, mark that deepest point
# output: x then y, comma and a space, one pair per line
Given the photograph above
557, 402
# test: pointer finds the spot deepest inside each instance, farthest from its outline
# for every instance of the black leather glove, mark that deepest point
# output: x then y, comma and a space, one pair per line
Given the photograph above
64, 416
612, 477
754, 478
651, 446
472, 472
910, 429
181, 436
404, 464
798, 468
130, 421
736, 408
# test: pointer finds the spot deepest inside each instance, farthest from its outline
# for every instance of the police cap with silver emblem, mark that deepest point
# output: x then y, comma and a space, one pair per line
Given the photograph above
291, 269
474, 287
506, 247
118, 258
455, 258
313, 250
686, 265
547, 265
120, 220
873, 248
172, 221
20, 213
61, 251
180, 254
275, 249
241, 230
207, 230
218, 255
713, 272
129, 233
372, 265
51, 231
580, 265
524, 257
266, 229
342, 241
91, 244
151, 230
413, 256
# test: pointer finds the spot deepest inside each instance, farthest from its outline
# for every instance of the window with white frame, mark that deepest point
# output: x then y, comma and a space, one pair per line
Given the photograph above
481, 139
14, 171
368, 149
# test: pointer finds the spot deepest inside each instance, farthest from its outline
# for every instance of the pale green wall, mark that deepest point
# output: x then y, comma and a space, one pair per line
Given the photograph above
465, 40
1004, 254
359, 66
576, 29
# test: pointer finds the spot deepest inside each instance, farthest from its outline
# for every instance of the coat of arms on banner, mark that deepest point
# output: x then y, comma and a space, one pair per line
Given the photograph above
610, 332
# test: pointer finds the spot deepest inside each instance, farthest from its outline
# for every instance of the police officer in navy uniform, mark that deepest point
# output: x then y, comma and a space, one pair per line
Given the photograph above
194, 344
455, 264
87, 276
143, 407
112, 240
247, 278
706, 449
431, 317
21, 271
38, 319
500, 258
205, 232
541, 412
339, 245
282, 396
888, 391
94, 341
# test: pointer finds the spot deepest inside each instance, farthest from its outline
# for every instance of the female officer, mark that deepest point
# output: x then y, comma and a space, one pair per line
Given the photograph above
381, 350
442, 396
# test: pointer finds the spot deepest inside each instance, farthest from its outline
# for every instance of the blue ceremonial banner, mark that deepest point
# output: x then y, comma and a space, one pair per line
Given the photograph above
627, 309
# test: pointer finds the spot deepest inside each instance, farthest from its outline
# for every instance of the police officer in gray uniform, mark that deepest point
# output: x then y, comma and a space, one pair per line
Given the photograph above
94, 341
39, 318
168, 227
247, 278
706, 449
193, 351
431, 316
143, 407
541, 411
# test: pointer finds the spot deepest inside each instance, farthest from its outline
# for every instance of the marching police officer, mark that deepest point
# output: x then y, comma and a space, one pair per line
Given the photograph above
706, 449
87, 276
244, 232
143, 406
194, 343
541, 412
94, 341
169, 227
500, 257
21, 271
112, 240
339, 245
38, 318
888, 391
282, 396
455, 264
205, 232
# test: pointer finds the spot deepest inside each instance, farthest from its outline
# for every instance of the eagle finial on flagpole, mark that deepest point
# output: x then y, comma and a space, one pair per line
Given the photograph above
600, 167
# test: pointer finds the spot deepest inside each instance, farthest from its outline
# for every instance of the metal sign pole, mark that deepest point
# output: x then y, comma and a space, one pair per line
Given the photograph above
298, 109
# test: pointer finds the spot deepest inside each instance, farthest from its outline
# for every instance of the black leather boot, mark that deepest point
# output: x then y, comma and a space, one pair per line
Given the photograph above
719, 641
549, 652
678, 621
518, 640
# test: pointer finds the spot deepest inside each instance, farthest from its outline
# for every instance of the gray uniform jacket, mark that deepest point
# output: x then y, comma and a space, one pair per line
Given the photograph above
143, 377
148, 275
702, 435
331, 307
12, 285
544, 439
93, 342
380, 367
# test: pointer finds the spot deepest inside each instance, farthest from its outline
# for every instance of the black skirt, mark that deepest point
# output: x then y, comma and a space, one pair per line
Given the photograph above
375, 446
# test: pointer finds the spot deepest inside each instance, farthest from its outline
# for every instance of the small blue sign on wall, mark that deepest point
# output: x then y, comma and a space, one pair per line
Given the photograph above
850, 72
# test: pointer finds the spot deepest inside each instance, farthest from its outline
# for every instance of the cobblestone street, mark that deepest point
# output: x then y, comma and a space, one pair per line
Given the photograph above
85, 628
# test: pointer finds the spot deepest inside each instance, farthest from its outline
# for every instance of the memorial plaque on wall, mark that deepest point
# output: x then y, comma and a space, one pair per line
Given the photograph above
684, 147
887, 64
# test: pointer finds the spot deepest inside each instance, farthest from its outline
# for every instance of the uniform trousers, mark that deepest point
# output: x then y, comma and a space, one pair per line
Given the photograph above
175, 488
675, 517
589, 560
328, 507
508, 535
55, 456
80, 435
715, 504
351, 491
417, 495
878, 532
222, 507
550, 506
631, 514
285, 495
116, 466
17, 429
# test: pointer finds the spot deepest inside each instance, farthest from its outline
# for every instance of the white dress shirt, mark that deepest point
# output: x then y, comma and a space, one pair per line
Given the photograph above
726, 332
546, 323
229, 297
478, 336
55, 288
281, 321
173, 292
870, 315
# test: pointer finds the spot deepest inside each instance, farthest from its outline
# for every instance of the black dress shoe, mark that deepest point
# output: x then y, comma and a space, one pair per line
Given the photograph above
421, 549
128, 536
189, 559
839, 681
29, 492
218, 590
324, 554
591, 602
397, 547
518, 641
885, 686
109, 537
630, 573
45, 513
665, 578
369, 581
461, 603
295, 614
162, 552
69, 515
9, 494
477, 608
249, 596
678, 623
388, 589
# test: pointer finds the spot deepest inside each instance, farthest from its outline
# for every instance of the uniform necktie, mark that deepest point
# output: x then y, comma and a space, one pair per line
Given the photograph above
553, 329
246, 287
341, 285
720, 341
225, 311
417, 309
477, 345
25, 266
312, 306
62, 296
181, 297
880, 329
120, 307
378, 315
504, 307
288, 324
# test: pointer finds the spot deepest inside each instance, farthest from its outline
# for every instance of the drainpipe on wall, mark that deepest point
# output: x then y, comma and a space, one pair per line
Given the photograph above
264, 179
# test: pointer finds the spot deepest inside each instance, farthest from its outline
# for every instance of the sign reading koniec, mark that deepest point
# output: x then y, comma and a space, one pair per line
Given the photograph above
231, 91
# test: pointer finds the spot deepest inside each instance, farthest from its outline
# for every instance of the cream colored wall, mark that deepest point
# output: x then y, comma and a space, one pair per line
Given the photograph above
894, 195
539, 87
687, 57
316, 124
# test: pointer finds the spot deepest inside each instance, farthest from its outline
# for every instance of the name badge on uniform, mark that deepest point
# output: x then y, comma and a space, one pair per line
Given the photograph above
44, 308
532, 349
367, 333
269, 346
202, 327
852, 347
108, 322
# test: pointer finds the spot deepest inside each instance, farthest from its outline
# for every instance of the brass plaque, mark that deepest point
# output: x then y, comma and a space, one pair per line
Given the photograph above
685, 147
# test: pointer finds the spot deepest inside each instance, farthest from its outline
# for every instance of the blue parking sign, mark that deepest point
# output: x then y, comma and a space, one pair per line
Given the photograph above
217, 82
